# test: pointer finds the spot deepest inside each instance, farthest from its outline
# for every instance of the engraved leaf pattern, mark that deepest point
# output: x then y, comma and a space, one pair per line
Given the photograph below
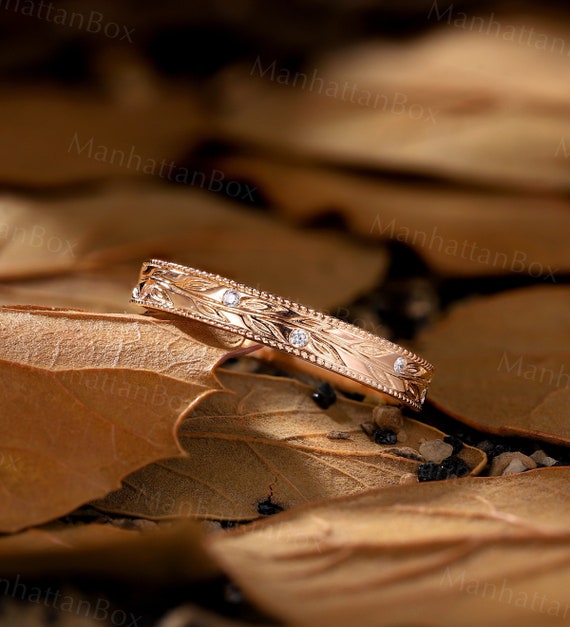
195, 284
209, 311
153, 291
326, 350
388, 378
266, 321
260, 306
264, 326
413, 369
372, 349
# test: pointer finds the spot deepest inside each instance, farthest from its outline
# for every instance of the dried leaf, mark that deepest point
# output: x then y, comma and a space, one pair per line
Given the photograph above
89, 398
101, 549
468, 552
266, 439
503, 363
101, 291
100, 231
91, 139
418, 106
457, 231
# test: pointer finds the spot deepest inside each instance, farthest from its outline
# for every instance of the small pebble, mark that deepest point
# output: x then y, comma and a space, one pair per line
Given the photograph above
455, 442
387, 417
435, 450
369, 428
430, 471
455, 466
324, 396
501, 462
450, 467
268, 508
542, 459
514, 467
486, 446
404, 451
338, 435
491, 449
385, 436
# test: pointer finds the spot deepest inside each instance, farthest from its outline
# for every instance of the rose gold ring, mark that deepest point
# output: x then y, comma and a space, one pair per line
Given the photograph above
279, 323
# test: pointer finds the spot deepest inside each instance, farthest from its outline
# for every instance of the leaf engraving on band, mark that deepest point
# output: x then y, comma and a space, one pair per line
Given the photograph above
270, 320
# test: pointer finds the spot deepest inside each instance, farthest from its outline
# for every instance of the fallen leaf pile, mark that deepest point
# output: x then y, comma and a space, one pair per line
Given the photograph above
73, 380
95, 240
156, 471
272, 430
421, 106
459, 232
472, 547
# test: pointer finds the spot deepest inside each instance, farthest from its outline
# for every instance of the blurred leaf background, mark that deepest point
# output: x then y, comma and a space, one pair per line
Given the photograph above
380, 161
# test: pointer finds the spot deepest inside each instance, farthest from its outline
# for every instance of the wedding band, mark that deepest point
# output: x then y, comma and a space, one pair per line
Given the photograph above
279, 323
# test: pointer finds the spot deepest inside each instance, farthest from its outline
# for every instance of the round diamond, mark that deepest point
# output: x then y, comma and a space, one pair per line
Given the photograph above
231, 298
400, 364
299, 338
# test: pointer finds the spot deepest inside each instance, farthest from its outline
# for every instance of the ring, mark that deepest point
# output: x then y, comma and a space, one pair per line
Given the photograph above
280, 323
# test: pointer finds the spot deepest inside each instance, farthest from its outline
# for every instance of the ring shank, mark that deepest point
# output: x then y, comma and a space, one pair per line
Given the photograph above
279, 323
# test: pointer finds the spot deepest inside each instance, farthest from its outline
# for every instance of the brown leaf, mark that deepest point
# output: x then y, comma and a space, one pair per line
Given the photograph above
503, 363
421, 106
462, 233
127, 225
267, 439
101, 549
89, 398
468, 552
99, 291
91, 139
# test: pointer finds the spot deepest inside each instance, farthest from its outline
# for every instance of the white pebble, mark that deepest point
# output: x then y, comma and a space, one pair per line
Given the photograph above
542, 459
503, 461
435, 450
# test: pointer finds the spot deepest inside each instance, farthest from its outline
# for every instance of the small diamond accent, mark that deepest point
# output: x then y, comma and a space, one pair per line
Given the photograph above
299, 338
400, 364
231, 298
